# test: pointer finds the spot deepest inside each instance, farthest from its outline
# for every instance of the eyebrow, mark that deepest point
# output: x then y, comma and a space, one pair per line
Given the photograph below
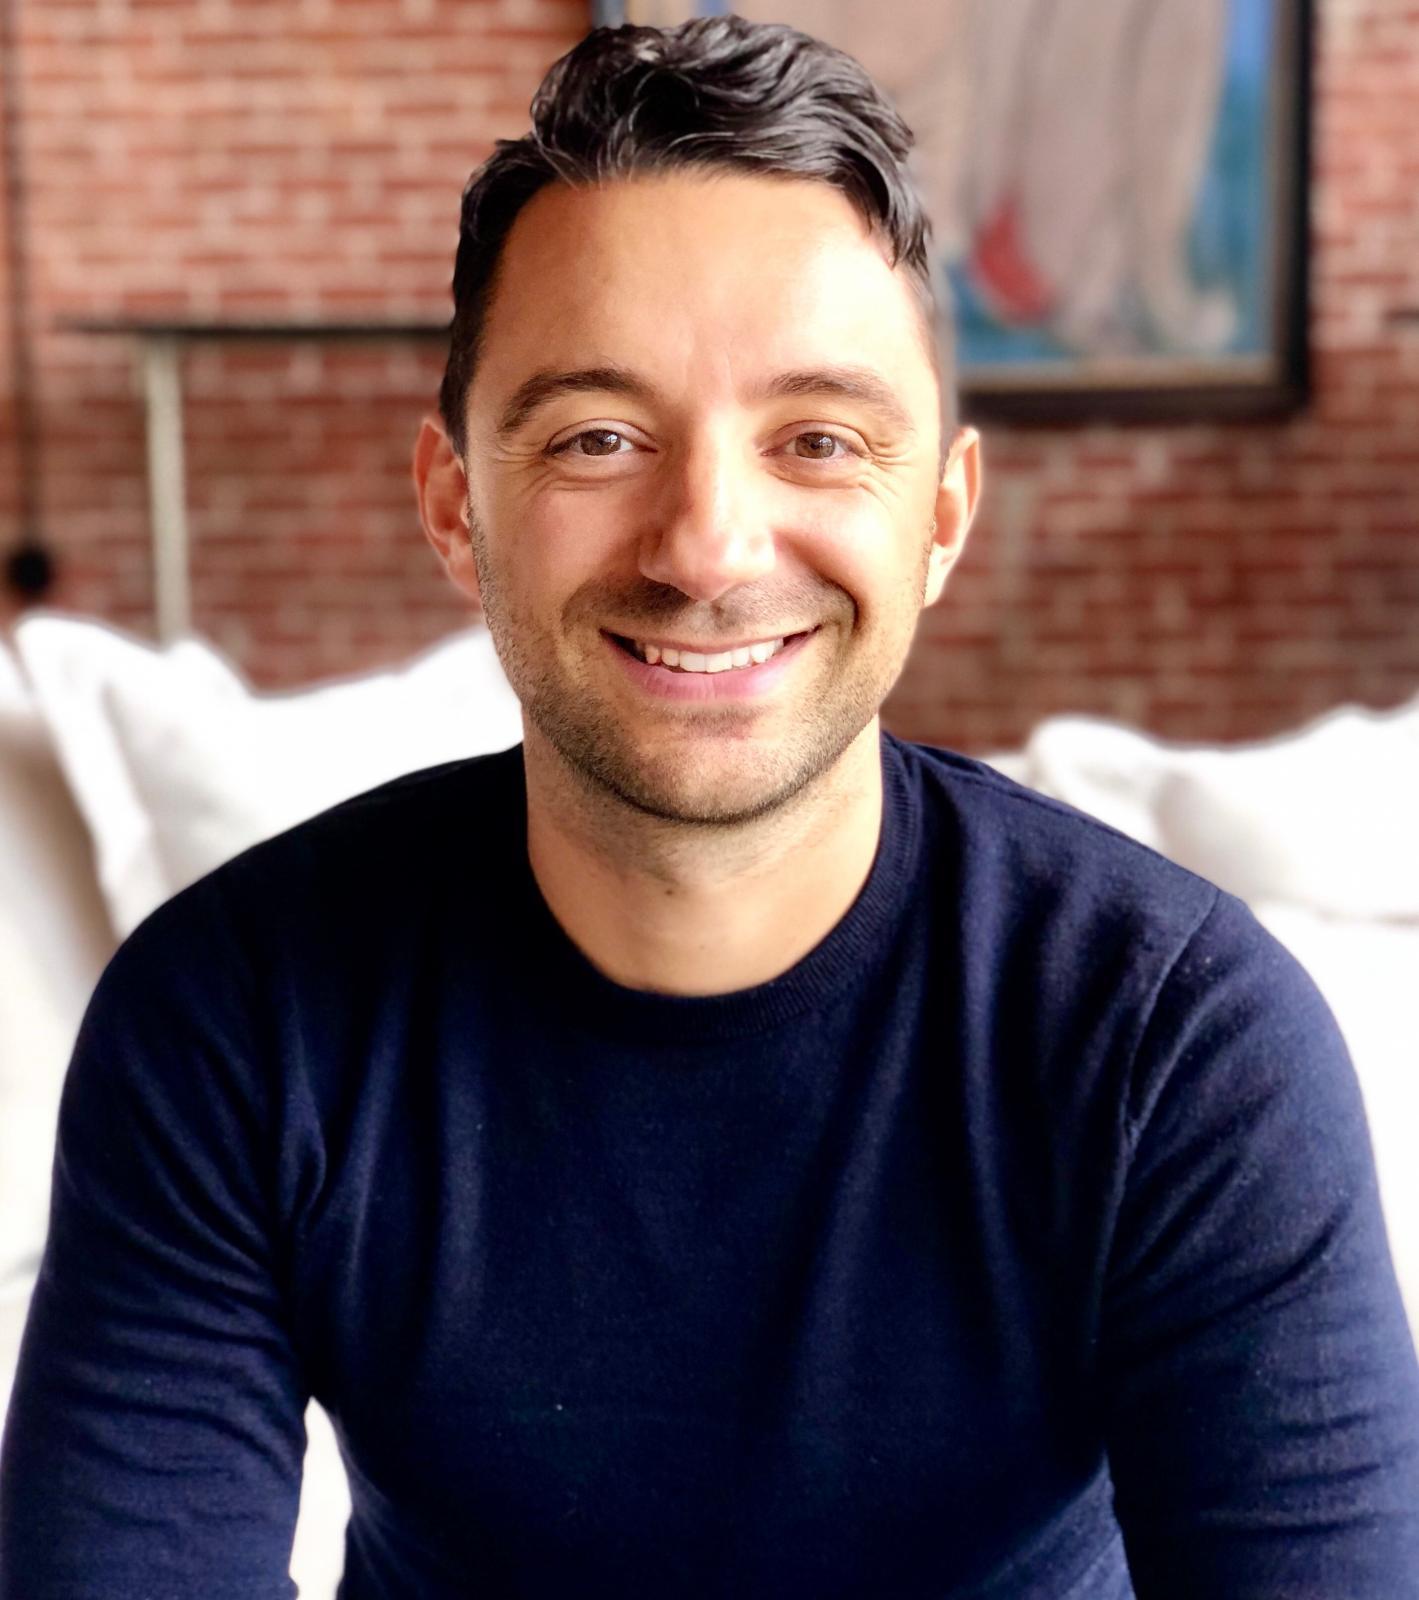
543, 386
846, 383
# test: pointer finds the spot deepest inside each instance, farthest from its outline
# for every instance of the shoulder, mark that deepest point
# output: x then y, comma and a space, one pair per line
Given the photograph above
408, 815
367, 865
1018, 855
1104, 969
994, 812
1080, 929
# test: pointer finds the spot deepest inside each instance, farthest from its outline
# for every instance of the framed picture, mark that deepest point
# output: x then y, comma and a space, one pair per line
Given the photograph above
1119, 211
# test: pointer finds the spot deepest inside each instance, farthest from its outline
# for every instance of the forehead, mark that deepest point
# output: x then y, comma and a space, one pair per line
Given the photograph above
699, 278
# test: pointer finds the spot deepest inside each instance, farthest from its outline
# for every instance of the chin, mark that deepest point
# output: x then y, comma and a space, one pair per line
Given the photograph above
714, 783
721, 788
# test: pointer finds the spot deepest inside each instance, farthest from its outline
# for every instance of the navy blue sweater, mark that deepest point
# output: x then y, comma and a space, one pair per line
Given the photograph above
1021, 1242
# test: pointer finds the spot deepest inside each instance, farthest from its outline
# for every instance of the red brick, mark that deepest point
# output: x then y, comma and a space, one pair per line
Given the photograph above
259, 159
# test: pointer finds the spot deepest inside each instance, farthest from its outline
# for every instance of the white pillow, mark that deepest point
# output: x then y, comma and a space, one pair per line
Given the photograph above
177, 765
13, 1311
1369, 974
1327, 817
1109, 771
1324, 817
54, 940
318, 1553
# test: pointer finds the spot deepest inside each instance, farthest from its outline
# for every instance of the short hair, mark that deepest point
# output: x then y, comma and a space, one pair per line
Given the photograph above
714, 93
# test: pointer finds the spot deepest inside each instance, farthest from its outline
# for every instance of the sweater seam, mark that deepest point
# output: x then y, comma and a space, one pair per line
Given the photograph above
1134, 1124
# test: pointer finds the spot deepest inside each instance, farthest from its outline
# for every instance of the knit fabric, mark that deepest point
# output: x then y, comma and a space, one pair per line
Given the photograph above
1022, 1242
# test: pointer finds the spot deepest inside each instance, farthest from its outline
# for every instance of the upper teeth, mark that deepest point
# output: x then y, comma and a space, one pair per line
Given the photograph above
692, 661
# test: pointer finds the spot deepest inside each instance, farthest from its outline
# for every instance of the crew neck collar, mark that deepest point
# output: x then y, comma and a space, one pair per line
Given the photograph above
829, 972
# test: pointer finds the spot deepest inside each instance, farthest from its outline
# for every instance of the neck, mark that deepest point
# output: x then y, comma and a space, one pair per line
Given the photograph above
699, 911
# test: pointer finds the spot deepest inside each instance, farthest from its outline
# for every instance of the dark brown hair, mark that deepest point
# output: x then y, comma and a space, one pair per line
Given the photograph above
716, 92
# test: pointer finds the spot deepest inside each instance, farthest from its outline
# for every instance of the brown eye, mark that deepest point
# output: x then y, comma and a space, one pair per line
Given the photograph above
816, 446
597, 442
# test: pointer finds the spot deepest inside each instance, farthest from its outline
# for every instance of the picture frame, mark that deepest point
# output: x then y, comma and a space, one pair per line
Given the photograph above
1120, 219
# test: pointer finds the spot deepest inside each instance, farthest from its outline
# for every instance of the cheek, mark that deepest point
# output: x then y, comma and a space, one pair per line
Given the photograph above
548, 543
572, 540
863, 552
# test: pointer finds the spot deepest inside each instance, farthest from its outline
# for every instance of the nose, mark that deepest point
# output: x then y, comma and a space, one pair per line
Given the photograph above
712, 530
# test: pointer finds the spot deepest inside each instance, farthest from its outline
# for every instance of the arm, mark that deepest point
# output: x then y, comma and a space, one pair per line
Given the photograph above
1262, 1395
155, 1436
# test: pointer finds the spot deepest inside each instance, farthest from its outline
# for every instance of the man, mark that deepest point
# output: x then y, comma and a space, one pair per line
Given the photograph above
712, 1149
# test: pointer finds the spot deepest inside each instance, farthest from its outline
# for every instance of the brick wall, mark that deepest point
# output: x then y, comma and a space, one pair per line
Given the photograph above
1223, 582
9, 457
250, 159
304, 157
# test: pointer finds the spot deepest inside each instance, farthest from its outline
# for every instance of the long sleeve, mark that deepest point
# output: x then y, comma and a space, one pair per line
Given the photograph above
1261, 1389
155, 1438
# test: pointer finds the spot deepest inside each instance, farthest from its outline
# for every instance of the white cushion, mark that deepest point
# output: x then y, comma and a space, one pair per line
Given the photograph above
318, 1554
1322, 818
1369, 974
177, 765
13, 1309
1109, 771
54, 940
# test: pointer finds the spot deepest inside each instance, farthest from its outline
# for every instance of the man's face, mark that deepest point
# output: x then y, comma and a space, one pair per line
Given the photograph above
704, 420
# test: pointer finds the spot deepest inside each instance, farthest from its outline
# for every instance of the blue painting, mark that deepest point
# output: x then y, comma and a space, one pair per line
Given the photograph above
1129, 212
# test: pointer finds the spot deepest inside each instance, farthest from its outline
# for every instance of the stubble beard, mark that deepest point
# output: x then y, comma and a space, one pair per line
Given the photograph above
751, 780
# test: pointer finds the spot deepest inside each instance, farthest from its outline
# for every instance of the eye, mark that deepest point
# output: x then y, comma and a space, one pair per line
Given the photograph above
815, 445
593, 442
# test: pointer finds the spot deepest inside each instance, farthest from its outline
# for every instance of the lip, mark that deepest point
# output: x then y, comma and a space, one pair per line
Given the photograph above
741, 683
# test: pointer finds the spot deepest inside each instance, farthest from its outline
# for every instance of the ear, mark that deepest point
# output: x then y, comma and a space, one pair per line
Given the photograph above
956, 502
442, 487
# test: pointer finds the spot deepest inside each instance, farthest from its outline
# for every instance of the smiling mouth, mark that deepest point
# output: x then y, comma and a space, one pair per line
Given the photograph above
734, 659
